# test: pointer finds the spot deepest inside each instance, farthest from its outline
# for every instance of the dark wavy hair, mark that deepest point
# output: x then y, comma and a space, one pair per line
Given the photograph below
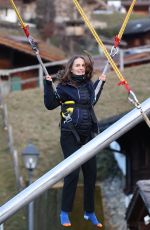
66, 76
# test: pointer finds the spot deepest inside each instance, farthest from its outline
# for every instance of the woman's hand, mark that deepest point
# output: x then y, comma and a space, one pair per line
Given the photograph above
48, 78
102, 77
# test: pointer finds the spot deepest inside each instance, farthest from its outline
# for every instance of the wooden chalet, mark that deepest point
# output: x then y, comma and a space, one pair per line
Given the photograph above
137, 33
15, 52
138, 212
6, 3
141, 7
135, 145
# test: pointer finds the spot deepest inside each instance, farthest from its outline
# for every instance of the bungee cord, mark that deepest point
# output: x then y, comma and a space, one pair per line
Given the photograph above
99, 41
114, 49
32, 42
131, 96
126, 20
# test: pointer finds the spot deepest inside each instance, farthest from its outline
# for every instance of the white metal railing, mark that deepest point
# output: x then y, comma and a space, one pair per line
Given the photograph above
74, 161
131, 51
8, 72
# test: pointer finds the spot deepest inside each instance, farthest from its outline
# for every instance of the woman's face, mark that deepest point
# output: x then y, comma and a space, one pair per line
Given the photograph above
78, 67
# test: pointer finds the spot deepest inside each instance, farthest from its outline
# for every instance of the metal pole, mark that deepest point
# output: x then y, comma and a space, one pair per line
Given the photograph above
30, 207
16, 169
1, 97
121, 57
41, 77
87, 151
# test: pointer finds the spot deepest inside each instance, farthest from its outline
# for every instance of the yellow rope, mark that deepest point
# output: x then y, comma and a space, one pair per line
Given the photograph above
18, 15
126, 19
99, 41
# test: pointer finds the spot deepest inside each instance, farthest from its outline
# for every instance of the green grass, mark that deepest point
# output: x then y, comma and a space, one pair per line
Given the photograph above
32, 122
114, 22
115, 19
114, 100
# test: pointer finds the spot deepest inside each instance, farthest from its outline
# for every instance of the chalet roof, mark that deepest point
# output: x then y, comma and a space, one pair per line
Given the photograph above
144, 190
137, 26
47, 52
138, 3
140, 201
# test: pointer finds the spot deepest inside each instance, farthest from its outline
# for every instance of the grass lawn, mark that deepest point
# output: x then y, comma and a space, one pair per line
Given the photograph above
115, 19
113, 22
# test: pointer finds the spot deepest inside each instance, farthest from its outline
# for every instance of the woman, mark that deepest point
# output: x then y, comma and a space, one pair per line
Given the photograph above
77, 95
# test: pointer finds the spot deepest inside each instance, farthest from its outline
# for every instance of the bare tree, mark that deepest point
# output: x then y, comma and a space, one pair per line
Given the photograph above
45, 12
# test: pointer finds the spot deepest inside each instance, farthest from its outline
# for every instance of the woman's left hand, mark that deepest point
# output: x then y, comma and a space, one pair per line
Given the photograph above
102, 77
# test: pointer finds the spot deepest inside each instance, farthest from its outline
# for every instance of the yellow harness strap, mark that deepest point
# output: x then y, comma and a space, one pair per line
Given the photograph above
68, 110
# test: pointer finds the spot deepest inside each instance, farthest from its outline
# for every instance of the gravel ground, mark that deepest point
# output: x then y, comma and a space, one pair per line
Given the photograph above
114, 203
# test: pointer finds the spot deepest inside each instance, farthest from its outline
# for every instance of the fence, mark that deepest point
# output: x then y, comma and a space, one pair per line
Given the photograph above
8, 72
129, 56
134, 55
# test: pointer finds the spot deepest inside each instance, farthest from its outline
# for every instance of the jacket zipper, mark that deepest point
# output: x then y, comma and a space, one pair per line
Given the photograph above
78, 109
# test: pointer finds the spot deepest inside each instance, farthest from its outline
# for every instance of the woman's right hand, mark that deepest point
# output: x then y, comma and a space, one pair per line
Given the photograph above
48, 78
102, 77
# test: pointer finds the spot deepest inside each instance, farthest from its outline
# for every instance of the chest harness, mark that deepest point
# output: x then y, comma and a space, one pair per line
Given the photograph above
67, 109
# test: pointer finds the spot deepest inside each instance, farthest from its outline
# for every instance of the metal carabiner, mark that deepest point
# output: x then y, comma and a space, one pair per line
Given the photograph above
114, 51
138, 106
67, 117
133, 99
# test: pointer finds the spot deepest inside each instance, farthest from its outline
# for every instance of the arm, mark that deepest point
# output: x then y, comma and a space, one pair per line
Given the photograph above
50, 99
98, 86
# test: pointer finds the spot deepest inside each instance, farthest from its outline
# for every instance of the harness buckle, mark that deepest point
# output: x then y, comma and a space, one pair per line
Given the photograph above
67, 117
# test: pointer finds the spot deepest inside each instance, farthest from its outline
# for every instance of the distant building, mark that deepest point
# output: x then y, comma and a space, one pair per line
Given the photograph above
115, 4
141, 6
137, 32
27, 8
15, 53
138, 212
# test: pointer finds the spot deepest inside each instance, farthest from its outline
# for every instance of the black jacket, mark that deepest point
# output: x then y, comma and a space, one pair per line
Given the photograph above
86, 93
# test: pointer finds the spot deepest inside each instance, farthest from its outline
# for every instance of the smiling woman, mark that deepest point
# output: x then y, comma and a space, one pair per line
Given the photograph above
77, 95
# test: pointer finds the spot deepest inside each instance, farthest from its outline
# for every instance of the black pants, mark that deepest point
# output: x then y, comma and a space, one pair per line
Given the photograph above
69, 145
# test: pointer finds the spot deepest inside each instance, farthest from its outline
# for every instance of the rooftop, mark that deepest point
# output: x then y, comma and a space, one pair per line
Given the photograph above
137, 26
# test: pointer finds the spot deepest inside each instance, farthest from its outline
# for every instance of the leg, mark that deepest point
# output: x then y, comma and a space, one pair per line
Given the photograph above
89, 174
69, 190
69, 145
